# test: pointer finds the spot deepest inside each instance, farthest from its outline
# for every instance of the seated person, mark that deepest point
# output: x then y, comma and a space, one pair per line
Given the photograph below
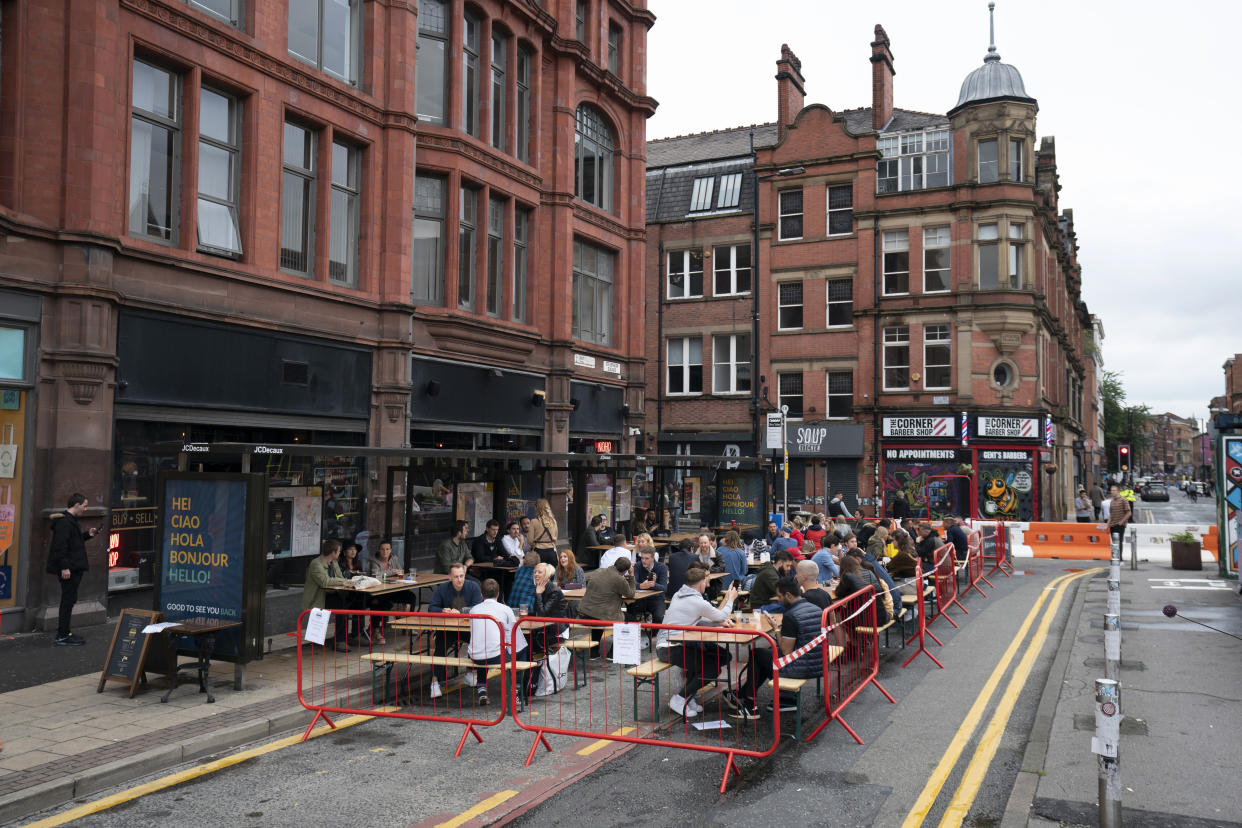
454, 549
514, 542
678, 562
867, 574
701, 661
489, 548
850, 582
588, 538
523, 590
902, 565
956, 535
649, 574
607, 590
927, 545
618, 550
323, 573
784, 540
826, 558
567, 569
763, 590
733, 556
799, 626
456, 596
487, 643
807, 573
384, 567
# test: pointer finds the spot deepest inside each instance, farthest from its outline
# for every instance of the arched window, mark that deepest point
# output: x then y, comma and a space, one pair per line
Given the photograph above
593, 158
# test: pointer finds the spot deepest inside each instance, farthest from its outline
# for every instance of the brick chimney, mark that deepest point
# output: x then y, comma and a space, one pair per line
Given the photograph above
881, 79
790, 96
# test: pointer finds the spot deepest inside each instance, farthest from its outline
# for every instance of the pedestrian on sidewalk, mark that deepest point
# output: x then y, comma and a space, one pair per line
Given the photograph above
1097, 498
1083, 510
67, 560
1118, 513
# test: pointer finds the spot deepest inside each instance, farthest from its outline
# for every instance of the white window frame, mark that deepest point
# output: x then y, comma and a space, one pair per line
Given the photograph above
914, 160
840, 210
730, 191
896, 242
783, 395
782, 304
737, 356
701, 197
938, 239
830, 394
936, 337
789, 213
684, 366
896, 338
682, 273
725, 264
828, 293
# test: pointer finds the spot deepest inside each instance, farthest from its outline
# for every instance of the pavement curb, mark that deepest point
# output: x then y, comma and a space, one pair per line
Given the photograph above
16, 806
1022, 797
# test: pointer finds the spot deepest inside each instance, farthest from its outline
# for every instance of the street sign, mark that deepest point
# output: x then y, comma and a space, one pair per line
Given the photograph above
774, 439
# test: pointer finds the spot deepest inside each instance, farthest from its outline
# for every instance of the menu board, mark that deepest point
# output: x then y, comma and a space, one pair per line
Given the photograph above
128, 649
741, 498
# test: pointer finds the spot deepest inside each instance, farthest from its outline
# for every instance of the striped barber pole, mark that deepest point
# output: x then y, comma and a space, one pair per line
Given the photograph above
965, 429
1048, 431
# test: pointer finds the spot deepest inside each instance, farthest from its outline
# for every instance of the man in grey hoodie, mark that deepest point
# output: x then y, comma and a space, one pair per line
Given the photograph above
700, 660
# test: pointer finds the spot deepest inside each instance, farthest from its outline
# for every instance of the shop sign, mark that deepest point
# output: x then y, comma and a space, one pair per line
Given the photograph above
140, 517
936, 427
920, 454
1024, 428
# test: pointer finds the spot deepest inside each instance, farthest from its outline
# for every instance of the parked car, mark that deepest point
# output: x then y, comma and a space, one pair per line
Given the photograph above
1154, 491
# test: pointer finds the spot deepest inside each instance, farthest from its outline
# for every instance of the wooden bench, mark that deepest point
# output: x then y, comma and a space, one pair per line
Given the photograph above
884, 628
426, 660
649, 673
795, 686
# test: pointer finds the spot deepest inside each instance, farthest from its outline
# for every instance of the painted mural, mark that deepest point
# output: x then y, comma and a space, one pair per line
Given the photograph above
1006, 481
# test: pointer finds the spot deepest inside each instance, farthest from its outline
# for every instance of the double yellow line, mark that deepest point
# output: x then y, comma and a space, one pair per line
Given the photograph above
989, 742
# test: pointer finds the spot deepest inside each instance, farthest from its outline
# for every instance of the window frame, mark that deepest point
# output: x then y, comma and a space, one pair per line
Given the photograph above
350, 188
232, 147
830, 302
1016, 242
910, 159
838, 211
522, 101
581, 13
422, 60
935, 337
496, 207
172, 127
426, 217
594, 138
895, 243
600, 304
685, 270
701, 194
732, 271
738, 358
783, 397
685, 366
309, 177
236, 16
521, 241
789, 215
988, 169
1016, 158
830, 394
615, 41
500, 87
782, 305
467, 245
353, 41
896, 338
729, 195
937, 246
471, 44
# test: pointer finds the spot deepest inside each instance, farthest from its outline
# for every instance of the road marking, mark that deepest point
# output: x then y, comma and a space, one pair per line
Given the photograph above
989, 743
935, 782
478, 810
173, 779
599, 743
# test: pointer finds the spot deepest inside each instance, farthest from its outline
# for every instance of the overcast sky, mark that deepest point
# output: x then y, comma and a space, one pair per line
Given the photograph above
1127, 88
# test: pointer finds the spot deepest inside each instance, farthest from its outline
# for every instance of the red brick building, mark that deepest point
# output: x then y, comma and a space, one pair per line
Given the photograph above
344, 222
1232, 401
919, 307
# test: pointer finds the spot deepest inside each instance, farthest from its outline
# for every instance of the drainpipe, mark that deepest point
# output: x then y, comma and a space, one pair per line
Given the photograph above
659, 343
875, 353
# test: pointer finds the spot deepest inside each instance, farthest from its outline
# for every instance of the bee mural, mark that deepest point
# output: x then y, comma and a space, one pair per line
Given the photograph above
1002, 500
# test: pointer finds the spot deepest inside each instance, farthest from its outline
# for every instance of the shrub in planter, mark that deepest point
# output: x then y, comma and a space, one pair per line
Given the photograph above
1186, 550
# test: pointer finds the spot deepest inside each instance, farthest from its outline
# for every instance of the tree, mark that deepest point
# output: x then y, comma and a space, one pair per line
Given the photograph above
1122, 424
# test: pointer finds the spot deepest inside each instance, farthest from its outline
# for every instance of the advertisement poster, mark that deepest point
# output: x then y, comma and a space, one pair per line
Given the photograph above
1231, 500
599, 497
474, 506
1006, 484
915, 472
307, 519
202, 552
521, 491
690, 491
741, 500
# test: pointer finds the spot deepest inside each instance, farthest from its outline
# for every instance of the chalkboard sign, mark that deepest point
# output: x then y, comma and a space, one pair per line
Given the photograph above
741, 498
128, 649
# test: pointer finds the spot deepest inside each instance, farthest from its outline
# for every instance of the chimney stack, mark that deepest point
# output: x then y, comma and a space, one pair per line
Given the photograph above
790, 96
881, 80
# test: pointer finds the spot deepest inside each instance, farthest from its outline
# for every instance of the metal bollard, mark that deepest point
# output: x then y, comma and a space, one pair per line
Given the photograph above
1105, 745
1133, 549
1114, 595
1112, 647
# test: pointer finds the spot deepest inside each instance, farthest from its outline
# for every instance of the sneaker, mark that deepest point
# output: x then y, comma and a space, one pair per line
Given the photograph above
731, 699
470, 680
482, 695
693, 707
679, 706
746, 711
69, 640
435, 691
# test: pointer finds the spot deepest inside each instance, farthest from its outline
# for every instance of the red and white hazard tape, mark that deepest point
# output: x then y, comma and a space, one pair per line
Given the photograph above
819, 639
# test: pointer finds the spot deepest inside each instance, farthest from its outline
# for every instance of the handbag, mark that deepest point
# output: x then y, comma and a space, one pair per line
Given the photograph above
554, 673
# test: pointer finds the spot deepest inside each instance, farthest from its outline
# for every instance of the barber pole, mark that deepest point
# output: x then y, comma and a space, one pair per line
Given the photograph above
965, 429
1047, 431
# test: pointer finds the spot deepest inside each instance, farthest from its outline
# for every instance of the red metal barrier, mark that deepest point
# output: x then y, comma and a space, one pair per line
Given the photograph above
387, 667
851, 655
920, 609
945, 579
1000, 551
974, 564
601, 708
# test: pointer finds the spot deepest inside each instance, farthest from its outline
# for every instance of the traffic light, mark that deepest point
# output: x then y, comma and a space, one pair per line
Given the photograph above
1123, 456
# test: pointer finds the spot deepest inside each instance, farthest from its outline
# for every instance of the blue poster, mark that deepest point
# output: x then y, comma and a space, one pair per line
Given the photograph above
202, 553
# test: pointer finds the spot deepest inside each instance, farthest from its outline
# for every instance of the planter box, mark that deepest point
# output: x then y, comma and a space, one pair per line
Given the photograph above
1186, 555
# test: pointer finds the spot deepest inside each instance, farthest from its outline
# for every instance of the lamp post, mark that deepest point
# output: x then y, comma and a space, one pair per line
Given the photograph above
754, 287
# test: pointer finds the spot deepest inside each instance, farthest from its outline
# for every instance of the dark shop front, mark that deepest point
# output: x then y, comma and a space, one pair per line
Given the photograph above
823, 460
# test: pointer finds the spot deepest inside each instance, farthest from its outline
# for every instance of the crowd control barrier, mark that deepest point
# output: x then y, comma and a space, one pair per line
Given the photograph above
920, 609
850, 650
382, 670
974, 564
995, 548
944, 576
631, 702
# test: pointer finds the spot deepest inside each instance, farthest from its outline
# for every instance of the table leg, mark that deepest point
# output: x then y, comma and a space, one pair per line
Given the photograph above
206, 645
172, 670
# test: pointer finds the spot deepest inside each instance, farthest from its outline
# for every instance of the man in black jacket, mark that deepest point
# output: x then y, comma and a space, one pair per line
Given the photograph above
67, 560
929, 541
678, 562
649, 574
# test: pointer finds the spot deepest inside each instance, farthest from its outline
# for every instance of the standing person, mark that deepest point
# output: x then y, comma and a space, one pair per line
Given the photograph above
901, 507
321, 574
67, 560
701, 661
543, 532
1118, 513
837, 507
454, 549
1097, 498
1084, 512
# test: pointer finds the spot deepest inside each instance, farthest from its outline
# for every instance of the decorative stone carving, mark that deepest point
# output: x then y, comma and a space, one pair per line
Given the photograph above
84, 379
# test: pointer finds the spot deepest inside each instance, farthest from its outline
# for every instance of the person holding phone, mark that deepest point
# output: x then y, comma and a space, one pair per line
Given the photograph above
67, 560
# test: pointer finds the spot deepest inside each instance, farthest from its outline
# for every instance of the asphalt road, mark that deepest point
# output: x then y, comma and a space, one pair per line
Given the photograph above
395, 773
1179, 509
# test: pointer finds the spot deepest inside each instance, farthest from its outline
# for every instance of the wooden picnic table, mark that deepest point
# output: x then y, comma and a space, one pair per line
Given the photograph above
739, 528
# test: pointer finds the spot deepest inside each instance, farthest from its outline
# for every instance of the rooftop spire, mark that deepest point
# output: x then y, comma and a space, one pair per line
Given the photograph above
992, 56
